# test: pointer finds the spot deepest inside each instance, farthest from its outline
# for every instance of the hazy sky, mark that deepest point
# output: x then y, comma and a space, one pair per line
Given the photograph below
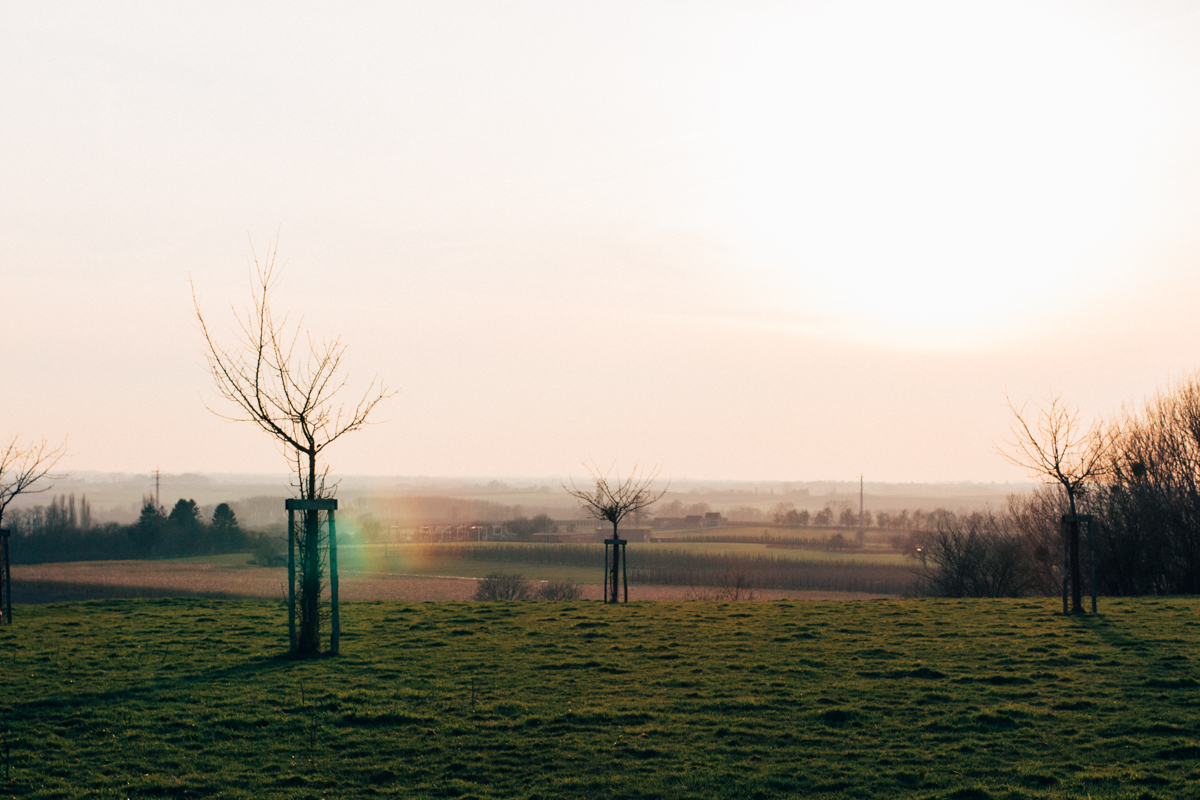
743, 240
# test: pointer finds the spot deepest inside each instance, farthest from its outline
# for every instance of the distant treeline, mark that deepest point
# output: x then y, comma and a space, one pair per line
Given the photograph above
835, 542
845, 515
682, 568
61, 531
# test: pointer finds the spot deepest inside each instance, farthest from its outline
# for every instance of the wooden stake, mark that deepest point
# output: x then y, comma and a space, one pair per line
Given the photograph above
605, 573
7, 578
1066, 563
291, 581
625, 570
335, 635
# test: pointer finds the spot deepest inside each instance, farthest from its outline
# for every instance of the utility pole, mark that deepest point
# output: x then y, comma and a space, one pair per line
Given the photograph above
157, 500
862, 533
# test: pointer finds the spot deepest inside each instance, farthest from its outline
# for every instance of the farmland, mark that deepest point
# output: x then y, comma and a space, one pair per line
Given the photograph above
414, 572
672, 563
921, 698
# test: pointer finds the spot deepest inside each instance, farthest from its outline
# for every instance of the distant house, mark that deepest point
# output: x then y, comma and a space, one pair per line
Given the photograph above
635, 534
693, 521
712, 519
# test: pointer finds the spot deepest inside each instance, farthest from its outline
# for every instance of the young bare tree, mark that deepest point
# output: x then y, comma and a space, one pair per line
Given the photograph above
24, 466
277, 377
613, 499
1058, 448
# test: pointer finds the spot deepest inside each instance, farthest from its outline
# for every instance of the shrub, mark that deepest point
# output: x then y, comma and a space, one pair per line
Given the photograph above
560, 590
268, 550
977, 555
503, 586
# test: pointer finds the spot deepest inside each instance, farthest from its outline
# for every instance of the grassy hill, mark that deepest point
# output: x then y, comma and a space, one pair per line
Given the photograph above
897, 698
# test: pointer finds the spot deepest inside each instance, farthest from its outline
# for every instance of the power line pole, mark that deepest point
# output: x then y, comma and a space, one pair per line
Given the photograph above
861, 530
157, 500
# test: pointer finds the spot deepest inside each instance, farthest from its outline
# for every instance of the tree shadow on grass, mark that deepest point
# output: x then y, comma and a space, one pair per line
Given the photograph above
253, 670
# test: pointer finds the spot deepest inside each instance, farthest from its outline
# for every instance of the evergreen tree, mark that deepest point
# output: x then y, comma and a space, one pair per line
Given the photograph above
187, 528
226, 533
147, 532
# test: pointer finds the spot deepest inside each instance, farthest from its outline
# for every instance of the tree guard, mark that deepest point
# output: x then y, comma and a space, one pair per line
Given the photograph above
1072, 574
313, 507
6, 577
614, 569
612, 501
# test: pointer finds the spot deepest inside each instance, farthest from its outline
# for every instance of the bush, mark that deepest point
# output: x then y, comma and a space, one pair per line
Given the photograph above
268, 550
977, 555
503, 586
560, 590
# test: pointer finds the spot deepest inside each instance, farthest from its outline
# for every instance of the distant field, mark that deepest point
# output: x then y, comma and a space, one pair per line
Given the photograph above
481, 569
797, 554
412, 558
914, 698
807, 532
390, 572
679, 563
873, 536
218, 578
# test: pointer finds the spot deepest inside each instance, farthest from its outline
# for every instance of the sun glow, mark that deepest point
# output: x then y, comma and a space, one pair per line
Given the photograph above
930, 174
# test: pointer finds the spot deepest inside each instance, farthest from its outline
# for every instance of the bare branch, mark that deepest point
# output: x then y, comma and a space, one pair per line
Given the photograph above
23, 467
614, 499
1057, 448
289, 392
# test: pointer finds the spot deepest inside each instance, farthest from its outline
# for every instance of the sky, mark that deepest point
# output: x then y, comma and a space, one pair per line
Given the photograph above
753, 240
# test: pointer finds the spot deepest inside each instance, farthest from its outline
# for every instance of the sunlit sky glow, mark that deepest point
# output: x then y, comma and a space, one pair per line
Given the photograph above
916, 168
743, 240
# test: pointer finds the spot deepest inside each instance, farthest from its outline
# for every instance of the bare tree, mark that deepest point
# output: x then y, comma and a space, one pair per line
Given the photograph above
287, 384
614, 499
1059, 448
24, 466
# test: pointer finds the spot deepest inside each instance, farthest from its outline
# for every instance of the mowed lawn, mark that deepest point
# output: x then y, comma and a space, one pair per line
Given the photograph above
888, 698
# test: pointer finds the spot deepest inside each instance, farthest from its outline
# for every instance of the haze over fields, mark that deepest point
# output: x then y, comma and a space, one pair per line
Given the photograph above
258, 499
754, 242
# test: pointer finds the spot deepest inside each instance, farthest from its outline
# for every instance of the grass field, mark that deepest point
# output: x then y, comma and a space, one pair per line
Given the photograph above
912, 698
373, 572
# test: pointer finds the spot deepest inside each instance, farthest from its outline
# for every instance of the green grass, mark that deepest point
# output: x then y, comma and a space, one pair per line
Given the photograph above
913, 698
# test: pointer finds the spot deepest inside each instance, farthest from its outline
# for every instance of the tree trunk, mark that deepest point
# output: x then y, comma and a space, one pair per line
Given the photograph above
1076, 572
616, 564
310, 588
310, 572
